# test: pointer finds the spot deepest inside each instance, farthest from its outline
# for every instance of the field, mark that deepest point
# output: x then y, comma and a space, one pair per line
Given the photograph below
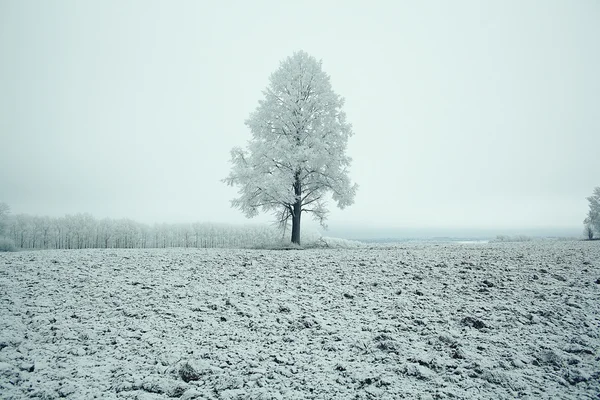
412, 321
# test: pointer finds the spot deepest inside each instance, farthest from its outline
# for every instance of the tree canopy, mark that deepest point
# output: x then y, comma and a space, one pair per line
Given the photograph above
296, 157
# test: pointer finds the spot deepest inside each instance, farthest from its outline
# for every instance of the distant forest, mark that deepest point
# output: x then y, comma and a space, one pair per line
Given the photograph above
83, 231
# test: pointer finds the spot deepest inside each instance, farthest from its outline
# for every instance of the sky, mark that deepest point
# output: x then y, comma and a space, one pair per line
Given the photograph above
466, 114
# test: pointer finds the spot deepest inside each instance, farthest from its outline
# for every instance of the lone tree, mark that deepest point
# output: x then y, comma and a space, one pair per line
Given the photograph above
592, 221
296, 156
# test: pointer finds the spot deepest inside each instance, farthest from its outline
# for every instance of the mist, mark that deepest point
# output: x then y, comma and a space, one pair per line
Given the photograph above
468, 117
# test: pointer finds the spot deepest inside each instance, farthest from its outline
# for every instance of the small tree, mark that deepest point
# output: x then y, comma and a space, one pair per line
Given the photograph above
592, 221
588, 232
4, 210
6, 244
297, 152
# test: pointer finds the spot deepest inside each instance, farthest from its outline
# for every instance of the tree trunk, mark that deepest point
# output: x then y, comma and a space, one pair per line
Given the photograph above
296, 224
297, 211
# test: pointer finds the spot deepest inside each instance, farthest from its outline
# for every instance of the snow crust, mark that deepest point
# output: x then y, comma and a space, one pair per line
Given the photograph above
501, 320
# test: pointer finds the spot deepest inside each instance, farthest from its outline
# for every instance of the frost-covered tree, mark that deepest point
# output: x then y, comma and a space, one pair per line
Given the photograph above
588, 231
297, 154
4, 211
6, 244
593, 218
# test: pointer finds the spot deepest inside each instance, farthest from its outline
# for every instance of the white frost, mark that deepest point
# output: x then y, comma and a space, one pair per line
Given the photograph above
471, 321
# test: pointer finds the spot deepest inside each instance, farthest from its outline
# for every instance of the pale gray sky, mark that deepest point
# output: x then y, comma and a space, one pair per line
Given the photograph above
467, 114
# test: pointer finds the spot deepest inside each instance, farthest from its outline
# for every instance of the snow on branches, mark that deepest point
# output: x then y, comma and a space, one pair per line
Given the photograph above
297, 152
592, 221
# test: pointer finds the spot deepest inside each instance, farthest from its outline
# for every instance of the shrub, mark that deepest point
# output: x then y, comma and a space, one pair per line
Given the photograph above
510, 239
334, 243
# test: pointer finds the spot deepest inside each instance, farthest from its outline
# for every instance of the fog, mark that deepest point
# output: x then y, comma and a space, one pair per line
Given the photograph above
468, 116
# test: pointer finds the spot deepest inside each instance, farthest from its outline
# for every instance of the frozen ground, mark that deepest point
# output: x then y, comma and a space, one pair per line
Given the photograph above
413, 321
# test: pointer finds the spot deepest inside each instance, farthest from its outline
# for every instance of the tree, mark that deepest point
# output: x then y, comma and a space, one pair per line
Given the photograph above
4, 211
296, 156
588, 232
593, 218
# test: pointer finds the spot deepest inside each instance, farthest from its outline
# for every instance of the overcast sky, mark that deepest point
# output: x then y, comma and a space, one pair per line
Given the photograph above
467, 114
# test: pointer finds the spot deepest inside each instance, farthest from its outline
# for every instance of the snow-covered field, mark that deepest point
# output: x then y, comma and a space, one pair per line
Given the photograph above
502, 320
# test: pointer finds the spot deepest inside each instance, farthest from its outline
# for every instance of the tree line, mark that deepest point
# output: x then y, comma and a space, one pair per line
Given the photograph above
83, 231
